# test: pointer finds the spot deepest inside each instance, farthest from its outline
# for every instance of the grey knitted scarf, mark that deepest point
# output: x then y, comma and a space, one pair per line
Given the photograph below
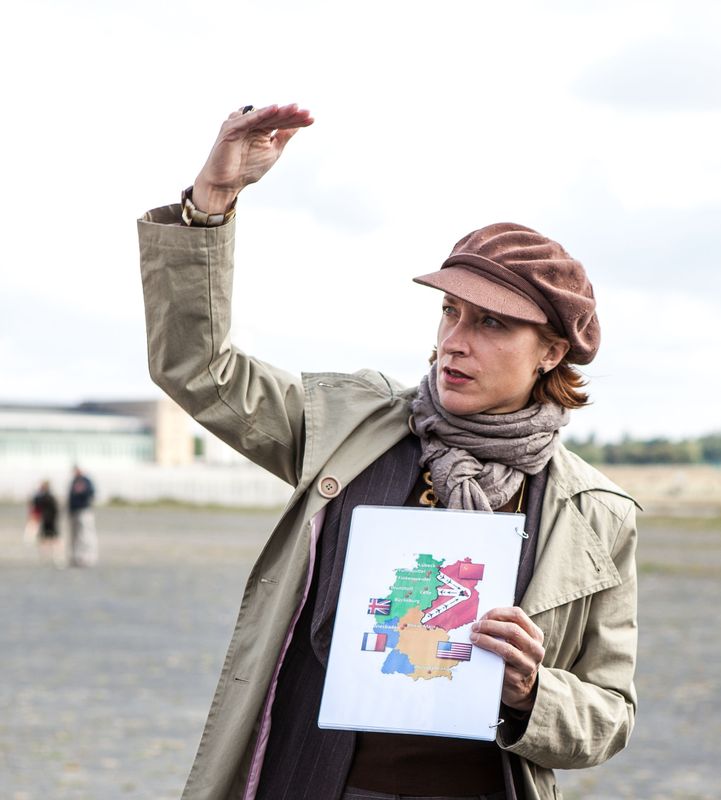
477, 462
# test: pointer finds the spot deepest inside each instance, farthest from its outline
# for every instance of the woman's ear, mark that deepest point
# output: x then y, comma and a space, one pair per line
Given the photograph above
554, 354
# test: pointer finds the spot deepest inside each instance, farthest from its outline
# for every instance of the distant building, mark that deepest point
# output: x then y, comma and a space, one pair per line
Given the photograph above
133, 450
95, 433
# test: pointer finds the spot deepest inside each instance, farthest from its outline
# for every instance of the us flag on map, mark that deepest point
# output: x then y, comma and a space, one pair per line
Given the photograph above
455, 650
378, 605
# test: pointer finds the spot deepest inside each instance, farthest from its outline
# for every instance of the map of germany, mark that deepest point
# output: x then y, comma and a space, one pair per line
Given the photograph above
426, 604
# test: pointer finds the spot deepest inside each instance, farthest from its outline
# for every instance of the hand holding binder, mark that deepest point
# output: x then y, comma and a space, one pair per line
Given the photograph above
512, 635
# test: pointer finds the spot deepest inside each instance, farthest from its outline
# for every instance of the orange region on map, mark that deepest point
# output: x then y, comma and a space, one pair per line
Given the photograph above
419, 644
466, 611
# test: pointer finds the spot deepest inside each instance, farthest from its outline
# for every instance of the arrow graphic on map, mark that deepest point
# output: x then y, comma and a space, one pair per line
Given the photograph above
457, 593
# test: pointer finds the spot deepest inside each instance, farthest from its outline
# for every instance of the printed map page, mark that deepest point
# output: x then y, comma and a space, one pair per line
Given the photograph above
427, 603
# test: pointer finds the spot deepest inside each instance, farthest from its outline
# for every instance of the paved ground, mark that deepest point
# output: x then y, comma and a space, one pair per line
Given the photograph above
106, 674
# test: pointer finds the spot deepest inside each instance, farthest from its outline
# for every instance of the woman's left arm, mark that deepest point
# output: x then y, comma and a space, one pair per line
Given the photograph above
580, 716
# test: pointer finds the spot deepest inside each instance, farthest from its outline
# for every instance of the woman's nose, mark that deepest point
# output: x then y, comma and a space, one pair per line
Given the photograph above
455, 340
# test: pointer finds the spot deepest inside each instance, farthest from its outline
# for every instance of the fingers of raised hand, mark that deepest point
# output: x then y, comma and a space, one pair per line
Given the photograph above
268, 118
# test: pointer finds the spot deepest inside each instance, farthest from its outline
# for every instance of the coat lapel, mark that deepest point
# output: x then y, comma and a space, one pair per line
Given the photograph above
570, 564
335, 444
571, 561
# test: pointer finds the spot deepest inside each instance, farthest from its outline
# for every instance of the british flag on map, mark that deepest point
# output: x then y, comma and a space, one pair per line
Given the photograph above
378, 605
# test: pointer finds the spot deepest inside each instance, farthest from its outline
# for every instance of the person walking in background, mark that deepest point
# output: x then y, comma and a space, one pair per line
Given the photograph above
83, 544
44, 516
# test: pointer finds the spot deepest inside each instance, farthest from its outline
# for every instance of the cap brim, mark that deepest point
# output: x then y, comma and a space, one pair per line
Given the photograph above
474, 288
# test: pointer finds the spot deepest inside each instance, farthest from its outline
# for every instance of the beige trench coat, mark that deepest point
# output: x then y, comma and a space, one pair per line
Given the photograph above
331, 426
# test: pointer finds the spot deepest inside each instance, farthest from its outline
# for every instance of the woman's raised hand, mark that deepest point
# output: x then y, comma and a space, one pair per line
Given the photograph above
246, 148
511, 634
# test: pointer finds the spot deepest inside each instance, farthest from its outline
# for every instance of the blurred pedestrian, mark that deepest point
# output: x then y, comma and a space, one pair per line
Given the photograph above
83, 545
44, 517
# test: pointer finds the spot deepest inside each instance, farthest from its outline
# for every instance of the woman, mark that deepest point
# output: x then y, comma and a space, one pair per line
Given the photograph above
516, 314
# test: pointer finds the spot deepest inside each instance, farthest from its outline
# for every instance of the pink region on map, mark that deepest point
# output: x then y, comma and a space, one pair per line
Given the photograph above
466, 574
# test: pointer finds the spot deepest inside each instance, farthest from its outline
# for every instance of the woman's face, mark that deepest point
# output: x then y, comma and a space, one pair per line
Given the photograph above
487, 363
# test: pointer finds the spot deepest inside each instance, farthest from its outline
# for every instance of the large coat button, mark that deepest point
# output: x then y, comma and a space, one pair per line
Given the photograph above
329, 486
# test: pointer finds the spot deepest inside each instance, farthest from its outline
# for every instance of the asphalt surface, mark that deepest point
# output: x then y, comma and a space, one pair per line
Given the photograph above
107, 673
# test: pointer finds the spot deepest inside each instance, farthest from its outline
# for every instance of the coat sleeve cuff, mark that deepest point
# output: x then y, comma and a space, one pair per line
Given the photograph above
528, 736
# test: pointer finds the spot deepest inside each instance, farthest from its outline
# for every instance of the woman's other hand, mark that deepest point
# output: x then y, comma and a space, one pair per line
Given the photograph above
511, 634
246, 148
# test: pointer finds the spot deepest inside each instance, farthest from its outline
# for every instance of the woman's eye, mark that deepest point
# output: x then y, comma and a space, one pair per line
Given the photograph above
447, 309
491, 322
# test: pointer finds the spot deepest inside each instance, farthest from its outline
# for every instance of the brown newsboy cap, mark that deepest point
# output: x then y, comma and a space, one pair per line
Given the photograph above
515, 271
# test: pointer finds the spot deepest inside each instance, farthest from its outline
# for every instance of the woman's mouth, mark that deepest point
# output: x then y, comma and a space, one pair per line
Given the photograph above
455, 377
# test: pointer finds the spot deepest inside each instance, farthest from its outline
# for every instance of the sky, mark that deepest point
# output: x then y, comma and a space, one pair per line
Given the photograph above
596, 123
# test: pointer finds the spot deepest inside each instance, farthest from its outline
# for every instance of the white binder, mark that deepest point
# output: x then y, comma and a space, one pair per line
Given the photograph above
413, 583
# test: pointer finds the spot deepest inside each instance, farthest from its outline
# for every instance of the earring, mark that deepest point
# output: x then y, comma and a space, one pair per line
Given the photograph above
541, 372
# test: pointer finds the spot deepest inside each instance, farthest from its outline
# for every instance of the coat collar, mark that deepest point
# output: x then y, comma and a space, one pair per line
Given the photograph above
573, 475
571, 560
351, 420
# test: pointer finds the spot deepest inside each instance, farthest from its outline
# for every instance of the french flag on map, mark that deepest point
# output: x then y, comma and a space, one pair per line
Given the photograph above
379, 605
455, 650
374, 641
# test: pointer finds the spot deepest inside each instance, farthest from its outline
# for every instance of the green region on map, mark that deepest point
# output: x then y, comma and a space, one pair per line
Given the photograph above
417, 586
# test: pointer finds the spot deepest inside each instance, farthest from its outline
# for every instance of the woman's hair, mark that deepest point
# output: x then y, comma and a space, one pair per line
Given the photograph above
561, 385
